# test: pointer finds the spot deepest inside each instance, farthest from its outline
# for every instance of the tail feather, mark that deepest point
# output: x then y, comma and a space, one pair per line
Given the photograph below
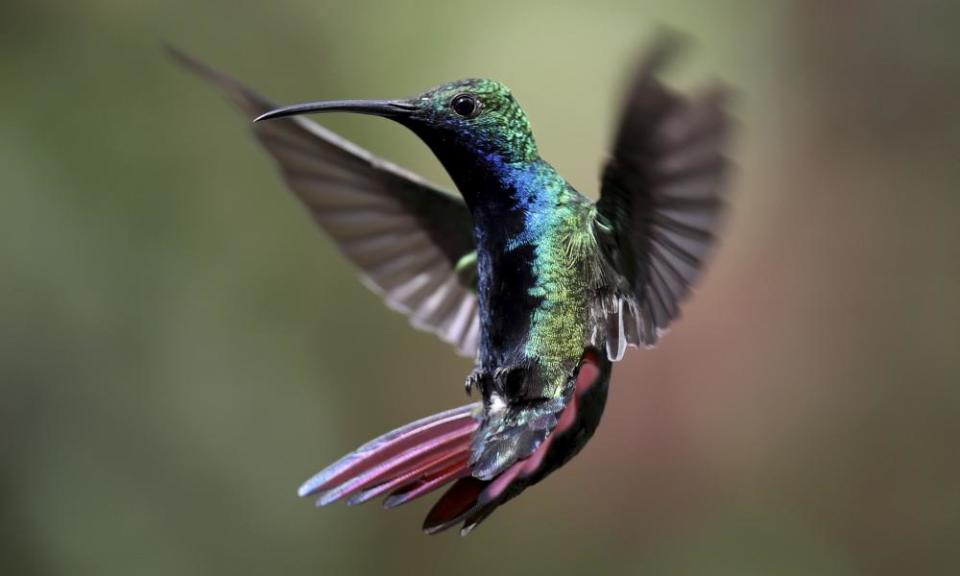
390, 445
471, 500
474, 519
452, 457
429, 483
455, 504
421, 457
418, 458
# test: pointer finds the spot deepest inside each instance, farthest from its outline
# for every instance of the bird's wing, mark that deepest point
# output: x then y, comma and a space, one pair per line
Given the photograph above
661, 199
405, 235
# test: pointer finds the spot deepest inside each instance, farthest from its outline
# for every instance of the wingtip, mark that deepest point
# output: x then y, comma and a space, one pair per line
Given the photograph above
185, 60
249, 101
665, 47
172, 50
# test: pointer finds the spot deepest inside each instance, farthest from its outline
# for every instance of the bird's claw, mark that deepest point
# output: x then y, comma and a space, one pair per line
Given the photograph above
473, 381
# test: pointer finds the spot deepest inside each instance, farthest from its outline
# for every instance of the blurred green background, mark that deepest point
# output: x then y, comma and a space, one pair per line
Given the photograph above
180, 348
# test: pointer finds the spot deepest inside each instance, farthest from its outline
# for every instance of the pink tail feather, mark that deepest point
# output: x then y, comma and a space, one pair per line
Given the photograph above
428, 484
425, 455
471, 500
402, 460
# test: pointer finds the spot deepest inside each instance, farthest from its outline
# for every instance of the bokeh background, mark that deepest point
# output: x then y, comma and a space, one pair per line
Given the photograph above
179, 347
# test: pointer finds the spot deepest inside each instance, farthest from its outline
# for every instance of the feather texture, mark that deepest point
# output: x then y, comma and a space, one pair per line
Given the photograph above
662, 199
404, 234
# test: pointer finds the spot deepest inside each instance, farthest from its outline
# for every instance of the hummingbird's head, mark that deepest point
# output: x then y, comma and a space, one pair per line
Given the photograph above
476, 117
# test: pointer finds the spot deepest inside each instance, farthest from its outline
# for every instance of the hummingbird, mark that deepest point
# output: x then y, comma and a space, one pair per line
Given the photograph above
541, 286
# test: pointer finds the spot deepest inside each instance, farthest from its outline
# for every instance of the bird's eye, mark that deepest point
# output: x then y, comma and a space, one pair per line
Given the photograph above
465, 105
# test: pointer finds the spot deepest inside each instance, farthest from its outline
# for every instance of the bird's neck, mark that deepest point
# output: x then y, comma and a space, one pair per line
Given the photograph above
513, 203
502, 192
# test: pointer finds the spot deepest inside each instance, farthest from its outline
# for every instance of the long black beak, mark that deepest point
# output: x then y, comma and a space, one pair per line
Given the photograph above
387, 108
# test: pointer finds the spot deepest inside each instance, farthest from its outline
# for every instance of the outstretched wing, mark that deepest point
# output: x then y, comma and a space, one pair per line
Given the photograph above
661, 199
404, 234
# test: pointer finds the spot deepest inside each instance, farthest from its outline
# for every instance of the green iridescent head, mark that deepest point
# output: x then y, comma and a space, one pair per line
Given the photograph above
481, 115
477, 117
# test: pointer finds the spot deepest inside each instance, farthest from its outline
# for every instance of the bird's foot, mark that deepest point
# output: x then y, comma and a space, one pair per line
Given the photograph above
473, 380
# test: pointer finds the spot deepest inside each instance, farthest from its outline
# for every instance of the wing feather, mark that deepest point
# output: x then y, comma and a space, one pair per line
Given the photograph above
404, 234
662, 199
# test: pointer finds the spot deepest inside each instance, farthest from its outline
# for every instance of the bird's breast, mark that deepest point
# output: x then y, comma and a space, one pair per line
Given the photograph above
507, 303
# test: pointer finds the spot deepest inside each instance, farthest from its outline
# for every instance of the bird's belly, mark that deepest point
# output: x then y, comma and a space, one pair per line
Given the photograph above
533, 329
